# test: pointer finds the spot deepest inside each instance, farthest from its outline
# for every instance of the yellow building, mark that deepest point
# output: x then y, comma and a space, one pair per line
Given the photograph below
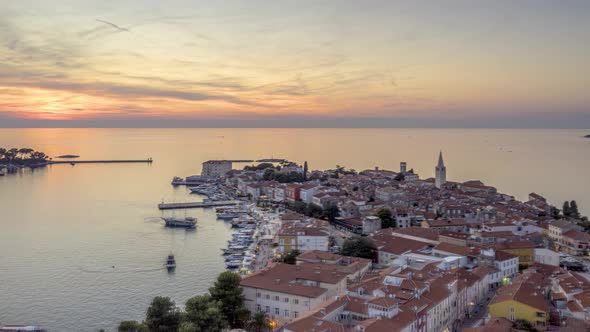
525, 250
287, 243
524, 299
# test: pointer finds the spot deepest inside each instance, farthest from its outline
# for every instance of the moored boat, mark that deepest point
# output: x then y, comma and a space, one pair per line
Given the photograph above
187, 222
170, 263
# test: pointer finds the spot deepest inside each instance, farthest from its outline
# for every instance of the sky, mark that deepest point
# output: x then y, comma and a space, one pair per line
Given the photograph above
320, 63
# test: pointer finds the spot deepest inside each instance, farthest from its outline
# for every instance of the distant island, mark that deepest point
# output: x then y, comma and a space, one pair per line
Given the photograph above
587, 136
68, 156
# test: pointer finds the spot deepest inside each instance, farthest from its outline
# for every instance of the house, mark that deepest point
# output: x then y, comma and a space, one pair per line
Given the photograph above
556, 230
546, 256
371, 224
458, 239
504, 265
292, 192
307, 191
285, 292
524, 299
303, 237
524, 249
575, 242
390, 247
452, 225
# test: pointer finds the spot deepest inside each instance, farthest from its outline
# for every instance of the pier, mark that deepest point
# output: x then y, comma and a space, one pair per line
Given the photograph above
113, 161
192, 205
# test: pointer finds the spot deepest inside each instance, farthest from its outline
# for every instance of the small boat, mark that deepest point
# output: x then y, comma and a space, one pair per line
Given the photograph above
170, 263
186, 222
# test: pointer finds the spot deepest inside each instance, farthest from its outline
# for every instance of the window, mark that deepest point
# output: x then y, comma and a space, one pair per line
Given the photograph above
296, 301
295, 314
267, 296
258, 294
281, 241
286, 300
258, 308
540, 314
286, 313
277, 298
277, 311
267, 309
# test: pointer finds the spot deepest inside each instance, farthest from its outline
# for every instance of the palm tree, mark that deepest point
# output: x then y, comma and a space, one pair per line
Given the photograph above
24, 152
259, 323
11, 154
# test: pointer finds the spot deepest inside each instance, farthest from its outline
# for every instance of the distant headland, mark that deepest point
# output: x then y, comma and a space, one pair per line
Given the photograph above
587, 136
68, 156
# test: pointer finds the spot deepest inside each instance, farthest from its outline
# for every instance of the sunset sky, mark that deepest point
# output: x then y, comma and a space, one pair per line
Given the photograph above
295, 63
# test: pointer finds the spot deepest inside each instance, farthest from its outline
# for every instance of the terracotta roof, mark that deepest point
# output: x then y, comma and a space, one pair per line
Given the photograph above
526, 289
577, 235
493, 325
420, 232
454, 249
314, 324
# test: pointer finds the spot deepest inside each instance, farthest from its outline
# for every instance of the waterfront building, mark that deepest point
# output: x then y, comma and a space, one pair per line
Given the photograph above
286, 292
216, 167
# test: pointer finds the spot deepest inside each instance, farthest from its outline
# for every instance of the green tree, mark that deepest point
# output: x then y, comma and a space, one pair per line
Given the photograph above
162, 315
228, 292
313, 210
291, 257
187, 327
269, 174
297, 206
387, 220
358, 247
332, 212
132, 326
574, 213
566, 209
204, 314
305, 171
259, 322
554, 212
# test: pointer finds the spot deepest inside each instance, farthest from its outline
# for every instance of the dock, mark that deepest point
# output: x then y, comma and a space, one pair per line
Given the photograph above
112, 161
192, 205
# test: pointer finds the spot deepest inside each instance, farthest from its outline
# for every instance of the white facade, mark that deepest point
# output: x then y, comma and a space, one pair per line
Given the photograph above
443, 314
279, 306
371, 224
306, 194
307, 243
546, 256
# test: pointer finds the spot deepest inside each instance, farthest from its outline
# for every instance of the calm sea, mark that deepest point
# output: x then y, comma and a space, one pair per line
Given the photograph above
81, 247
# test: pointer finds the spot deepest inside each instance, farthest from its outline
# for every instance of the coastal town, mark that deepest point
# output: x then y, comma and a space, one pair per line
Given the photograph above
440, 255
